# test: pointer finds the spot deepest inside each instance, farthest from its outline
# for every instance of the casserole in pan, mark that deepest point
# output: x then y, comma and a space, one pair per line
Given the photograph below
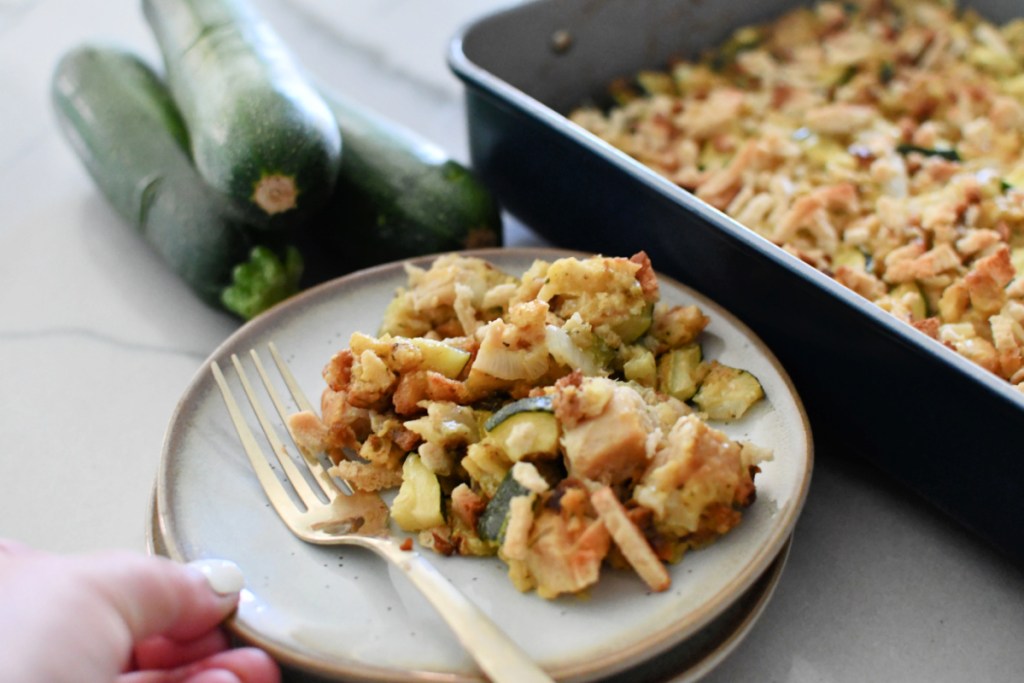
872, 383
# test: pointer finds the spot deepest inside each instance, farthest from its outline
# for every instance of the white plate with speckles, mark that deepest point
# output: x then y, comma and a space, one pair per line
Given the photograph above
341, 613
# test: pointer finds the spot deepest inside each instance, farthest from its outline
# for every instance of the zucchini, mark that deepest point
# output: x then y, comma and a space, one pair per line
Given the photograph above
486, 464
727, 393
910, 293
418, 503
260, 134
633, 328
397, 196
852, 257
680, 371
640, 366
525, 427
949, 154
119, 119
441, 357
491, 525
529, 404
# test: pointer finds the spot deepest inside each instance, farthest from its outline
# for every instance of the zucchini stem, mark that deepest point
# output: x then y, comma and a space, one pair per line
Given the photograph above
275, 193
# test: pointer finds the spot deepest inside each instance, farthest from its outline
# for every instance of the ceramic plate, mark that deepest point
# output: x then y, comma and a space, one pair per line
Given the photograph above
339, 612
687, 662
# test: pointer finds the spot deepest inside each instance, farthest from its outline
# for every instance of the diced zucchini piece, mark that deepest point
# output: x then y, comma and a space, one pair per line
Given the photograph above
491, 525
910, 294
525, 427
440, 357
851, 257
640, 366
636, 326
727, 392
679, 371
529, 404
527, 434
949, 154
418, 503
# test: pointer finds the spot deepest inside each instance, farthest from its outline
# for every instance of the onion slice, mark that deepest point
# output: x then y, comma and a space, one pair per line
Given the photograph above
565, 352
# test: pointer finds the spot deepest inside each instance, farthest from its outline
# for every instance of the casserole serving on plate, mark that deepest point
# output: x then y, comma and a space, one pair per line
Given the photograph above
337, 614
872, 382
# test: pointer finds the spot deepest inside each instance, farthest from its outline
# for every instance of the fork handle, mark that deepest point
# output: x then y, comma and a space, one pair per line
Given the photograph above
500, 658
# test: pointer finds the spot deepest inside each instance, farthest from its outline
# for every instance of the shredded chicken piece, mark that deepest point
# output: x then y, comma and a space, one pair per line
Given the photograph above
611, 446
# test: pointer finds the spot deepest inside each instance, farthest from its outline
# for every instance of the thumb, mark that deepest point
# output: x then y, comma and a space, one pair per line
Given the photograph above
156, 596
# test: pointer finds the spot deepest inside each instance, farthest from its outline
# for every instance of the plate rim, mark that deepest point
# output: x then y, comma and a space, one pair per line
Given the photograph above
651, 645
758, 595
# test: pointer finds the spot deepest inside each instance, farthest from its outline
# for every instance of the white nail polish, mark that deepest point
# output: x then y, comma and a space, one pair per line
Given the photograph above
224, 576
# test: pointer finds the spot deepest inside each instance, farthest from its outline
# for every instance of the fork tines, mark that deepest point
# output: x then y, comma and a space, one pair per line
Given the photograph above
310, 496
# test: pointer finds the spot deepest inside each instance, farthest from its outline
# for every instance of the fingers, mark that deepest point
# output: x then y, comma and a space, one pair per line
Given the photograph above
208, 676
160, 652
248, 664
155, 596
245, 665
98, 608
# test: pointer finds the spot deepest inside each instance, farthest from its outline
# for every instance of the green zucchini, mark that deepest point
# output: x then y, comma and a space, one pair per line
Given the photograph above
911, 292
492, 522
527, 427
119, 118
727, 393
530, 404
418, 503
948, 154
631, 329
260, 133
399, 195
680, 371
441, 357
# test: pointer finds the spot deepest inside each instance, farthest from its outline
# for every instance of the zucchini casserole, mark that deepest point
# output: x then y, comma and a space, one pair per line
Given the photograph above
562, 420
881, 141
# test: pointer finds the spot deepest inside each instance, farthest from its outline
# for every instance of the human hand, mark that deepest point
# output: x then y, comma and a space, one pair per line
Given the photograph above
116, 616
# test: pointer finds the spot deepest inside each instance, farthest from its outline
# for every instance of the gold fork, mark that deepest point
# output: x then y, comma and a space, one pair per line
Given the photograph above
334, 517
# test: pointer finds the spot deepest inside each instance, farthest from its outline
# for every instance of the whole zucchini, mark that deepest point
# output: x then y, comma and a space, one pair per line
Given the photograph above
399, 195
260, 134
119, 118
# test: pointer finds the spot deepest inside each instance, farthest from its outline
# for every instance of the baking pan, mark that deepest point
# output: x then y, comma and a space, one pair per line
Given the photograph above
872, 384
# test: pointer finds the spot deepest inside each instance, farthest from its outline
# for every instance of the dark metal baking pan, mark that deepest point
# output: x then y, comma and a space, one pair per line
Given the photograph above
872, 385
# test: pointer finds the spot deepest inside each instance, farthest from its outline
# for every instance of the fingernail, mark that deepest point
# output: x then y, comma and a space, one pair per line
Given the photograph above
224, 576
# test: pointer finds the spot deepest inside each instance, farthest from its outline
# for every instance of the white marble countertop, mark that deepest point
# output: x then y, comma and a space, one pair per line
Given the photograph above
98, 341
